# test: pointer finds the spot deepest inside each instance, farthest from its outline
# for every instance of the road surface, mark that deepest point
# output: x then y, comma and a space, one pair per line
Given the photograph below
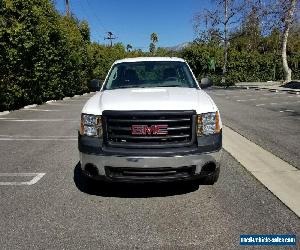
55, 213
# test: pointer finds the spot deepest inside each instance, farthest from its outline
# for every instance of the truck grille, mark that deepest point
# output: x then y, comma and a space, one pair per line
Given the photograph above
118, 128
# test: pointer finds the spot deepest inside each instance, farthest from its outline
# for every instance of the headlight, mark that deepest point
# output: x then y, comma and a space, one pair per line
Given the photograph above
91, 125
208, 123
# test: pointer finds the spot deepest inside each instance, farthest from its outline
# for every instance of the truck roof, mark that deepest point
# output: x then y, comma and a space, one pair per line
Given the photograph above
149, 59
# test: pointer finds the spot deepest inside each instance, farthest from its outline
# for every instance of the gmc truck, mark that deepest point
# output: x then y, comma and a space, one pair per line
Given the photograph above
150, 122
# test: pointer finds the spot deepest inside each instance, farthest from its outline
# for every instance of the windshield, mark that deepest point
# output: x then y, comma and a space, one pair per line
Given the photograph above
150, 74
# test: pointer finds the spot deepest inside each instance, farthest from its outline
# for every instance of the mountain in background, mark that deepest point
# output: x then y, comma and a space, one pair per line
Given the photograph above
178, 47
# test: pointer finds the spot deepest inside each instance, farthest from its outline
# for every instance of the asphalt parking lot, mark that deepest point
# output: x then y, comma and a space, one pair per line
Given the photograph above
56, 213
270, 119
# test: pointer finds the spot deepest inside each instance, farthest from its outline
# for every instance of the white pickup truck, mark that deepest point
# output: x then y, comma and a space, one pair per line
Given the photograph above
150, 122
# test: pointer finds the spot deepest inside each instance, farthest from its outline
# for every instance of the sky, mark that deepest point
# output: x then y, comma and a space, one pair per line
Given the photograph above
133, 21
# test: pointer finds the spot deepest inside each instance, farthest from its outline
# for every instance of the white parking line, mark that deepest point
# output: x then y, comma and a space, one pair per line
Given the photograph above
44, 110
35, 179
38, 139
65, 103
37, 136
246, 100
287, 110
276, 103
36, 120
281, 93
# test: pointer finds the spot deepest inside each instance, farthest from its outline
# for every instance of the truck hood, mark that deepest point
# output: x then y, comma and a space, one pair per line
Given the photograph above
171, 98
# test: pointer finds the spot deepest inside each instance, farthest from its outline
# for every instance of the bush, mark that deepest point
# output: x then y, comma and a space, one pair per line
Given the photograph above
42, 54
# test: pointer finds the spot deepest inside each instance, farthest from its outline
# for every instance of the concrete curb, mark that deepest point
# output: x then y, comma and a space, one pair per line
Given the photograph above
4, 112
30, 106
271, 89
50, 101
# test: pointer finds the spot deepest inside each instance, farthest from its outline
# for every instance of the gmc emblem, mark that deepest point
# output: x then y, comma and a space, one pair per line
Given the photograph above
152, 130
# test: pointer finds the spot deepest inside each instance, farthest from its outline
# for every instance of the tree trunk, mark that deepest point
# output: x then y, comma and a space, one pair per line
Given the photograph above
225, 42
287, 25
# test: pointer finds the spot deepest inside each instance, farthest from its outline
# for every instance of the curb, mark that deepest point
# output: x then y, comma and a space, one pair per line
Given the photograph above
4, 112
30, 106
290, 91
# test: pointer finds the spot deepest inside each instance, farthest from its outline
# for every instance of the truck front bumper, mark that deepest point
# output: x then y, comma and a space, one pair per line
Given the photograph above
153, 165
150, 169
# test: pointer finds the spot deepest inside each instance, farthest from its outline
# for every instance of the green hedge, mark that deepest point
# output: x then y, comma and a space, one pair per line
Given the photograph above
242, 65
42, 54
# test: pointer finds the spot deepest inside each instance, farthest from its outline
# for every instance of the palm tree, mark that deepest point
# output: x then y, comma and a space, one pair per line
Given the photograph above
128, 47
154, 40
152, 48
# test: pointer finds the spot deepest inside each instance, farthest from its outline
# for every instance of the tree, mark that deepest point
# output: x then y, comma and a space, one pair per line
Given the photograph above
43, 55
287, 23
281, 14
128, 47
152, 48
154, 40
85, 31
251, 29
220, 21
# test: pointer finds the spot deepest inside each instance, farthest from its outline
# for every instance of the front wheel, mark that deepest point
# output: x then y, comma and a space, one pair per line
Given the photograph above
211, 179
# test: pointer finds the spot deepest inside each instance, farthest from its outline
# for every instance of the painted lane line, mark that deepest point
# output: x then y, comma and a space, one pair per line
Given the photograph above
275, 103
287, 110
44, 110
246, 100
38, 139
36, 136
281, 93
273, 97
35, 179
65, 103
281, 178
37, 120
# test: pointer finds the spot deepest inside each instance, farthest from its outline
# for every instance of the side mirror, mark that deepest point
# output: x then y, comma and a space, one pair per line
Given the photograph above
205, 83
95, 85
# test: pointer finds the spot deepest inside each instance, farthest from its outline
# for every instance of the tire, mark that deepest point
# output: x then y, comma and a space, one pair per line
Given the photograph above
83, 182
211, 179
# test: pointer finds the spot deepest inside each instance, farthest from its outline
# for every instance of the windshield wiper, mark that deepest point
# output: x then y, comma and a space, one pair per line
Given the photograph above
128, 87
165, 86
